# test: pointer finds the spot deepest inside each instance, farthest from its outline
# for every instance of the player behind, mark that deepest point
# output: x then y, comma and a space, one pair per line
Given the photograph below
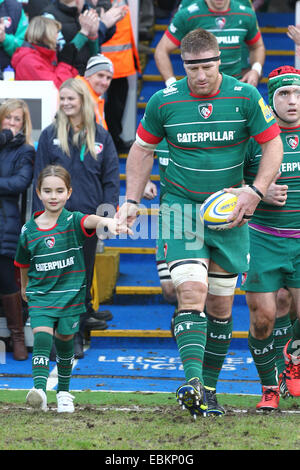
53, 280
275, 249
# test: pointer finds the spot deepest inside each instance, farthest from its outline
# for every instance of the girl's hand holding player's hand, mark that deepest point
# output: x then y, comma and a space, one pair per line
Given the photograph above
113, 227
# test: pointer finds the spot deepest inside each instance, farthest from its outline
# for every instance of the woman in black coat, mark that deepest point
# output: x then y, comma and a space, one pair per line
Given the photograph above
16, 170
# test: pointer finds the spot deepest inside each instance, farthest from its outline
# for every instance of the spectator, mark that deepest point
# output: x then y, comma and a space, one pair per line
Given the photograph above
35, 7
231, 22
16, 165
164, 8
97, 77
122, 51
109, 16
79, 28
86, 150
146, 20
37, 60
13, 25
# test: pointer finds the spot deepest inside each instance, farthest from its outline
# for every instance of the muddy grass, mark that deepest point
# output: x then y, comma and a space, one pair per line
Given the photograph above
149, 428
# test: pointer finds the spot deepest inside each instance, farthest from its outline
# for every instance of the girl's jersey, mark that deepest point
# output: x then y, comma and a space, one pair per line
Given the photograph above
57, 280
232, 28
279, 217
207, 136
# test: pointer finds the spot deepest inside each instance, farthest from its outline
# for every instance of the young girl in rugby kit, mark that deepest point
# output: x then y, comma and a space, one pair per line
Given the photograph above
53, 281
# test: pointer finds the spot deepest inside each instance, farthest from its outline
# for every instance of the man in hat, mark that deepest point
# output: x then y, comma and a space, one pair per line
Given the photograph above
97, 77
275, 250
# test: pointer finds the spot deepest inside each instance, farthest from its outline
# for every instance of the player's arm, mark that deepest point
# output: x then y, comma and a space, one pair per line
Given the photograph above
138, 170
162, 58
272, 154
257, 60
24, 282
250, 196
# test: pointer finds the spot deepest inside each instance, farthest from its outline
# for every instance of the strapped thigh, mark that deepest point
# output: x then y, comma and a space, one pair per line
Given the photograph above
188, 270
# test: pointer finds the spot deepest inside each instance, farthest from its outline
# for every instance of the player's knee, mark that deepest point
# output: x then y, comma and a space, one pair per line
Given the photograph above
219, 307
262, 319
191, 295
169, 292
283, 302
261, 328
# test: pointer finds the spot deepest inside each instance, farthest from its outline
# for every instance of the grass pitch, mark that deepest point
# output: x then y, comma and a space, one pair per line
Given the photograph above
151, 422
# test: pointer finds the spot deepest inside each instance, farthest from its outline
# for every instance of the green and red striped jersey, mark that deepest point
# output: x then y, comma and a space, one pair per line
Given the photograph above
57, 278
287, 216
207, 136
232, 28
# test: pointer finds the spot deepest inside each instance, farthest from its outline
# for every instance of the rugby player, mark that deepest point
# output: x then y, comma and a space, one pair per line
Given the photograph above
207, 119
275, 248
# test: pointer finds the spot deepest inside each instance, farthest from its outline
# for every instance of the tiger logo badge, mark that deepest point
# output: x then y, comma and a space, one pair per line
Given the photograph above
50, 242
205, 110
220, 22
292, 141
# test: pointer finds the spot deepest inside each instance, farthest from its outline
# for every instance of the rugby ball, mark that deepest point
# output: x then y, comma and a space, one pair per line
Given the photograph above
216, 209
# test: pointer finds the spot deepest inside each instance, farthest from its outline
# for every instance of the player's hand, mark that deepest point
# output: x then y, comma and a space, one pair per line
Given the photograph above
293, 32
113, 15
276, 193
111, 227
251, 77
245, 206
150, 191
127, 213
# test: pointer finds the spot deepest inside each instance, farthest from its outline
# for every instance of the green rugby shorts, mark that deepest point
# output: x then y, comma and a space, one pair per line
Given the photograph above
184, 237
67, 325
274, 263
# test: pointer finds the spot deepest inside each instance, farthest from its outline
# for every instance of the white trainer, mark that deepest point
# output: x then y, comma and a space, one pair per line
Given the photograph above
65, 402
37, 398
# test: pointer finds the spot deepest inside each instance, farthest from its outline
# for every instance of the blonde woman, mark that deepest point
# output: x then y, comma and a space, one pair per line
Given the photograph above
36, 59
16, 165
76, 142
